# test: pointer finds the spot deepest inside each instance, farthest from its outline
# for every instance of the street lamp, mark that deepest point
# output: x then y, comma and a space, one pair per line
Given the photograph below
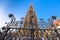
53, 17
13, 19
22, 22
10, 15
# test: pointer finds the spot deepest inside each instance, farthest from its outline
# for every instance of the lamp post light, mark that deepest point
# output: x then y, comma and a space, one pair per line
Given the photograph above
10, 16
13, 19
22, 22
53, 17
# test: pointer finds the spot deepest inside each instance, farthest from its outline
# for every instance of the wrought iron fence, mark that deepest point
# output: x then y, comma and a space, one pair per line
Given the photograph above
30, 34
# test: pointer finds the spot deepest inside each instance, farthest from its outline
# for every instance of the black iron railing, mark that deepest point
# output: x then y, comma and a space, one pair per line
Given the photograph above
47, 34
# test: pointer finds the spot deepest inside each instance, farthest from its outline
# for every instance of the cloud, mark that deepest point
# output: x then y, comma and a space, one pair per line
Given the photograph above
2, 18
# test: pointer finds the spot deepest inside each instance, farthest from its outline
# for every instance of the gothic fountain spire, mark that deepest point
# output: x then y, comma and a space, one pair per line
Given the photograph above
30, 17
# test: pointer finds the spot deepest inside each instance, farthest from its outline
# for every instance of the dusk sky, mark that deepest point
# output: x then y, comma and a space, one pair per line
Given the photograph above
43, 9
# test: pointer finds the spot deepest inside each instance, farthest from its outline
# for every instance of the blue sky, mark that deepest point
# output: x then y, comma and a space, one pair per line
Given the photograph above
43, 8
